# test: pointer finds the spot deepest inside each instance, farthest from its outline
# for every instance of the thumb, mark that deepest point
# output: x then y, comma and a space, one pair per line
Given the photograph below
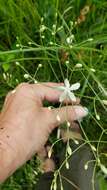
67, 113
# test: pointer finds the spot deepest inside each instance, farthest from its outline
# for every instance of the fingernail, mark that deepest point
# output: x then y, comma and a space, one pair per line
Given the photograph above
81, 111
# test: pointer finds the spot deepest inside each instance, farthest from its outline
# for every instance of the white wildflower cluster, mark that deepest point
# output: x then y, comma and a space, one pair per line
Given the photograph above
42, 28
59, 28
35, 81
67, 165
7, 76
102, 167
54, 26
42, 19
4, 76
17, 81
68, 124
54, 29
70, 39
42, 36
49, 107
71, 24
69, 150
90, 39
26, 76
54, 182
67, 61
58, 118
86, 166
76, 141
40, 65
17, 45
67, 91
104, 102
17, 63
56, 14
93, 70
51, 43
93, 148
30, 43
97, 117
78, 65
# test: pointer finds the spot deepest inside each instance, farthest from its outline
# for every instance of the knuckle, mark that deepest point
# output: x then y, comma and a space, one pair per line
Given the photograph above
49, 120
22, 87
23, 84
49, 115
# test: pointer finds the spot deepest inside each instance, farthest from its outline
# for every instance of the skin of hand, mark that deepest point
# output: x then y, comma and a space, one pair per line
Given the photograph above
25, 124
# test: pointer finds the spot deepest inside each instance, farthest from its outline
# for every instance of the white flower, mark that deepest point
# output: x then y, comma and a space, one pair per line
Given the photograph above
70, 39
86, 166
51, 43
67, 61
104, 102
17, 63
68, 124
29, 43
93, 70
67, 165
54, 26
78, 65
40, 65
4, 76
103, 168
90, 39
42, 28
67, 91
58, 118
17, 45
26, 76
69, 150
93, 148
97, 117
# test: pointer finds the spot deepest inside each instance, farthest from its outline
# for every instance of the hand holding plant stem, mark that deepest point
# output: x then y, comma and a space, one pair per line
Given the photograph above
25, 124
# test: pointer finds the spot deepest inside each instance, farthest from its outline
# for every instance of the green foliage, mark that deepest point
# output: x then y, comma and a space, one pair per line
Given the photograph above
103, 184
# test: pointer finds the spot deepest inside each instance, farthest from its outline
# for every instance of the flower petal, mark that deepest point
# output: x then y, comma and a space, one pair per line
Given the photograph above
60, 88
72, 96
75, 86
63, 96
66, 82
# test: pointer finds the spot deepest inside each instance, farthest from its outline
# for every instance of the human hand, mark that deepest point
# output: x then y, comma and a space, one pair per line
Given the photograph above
26, 124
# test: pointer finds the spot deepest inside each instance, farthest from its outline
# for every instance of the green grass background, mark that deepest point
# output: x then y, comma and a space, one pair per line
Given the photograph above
20, 22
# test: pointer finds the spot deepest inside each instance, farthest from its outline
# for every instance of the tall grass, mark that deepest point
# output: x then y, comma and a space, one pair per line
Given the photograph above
37, 32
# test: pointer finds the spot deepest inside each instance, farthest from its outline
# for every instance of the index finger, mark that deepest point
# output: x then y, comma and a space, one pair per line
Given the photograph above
46, 91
